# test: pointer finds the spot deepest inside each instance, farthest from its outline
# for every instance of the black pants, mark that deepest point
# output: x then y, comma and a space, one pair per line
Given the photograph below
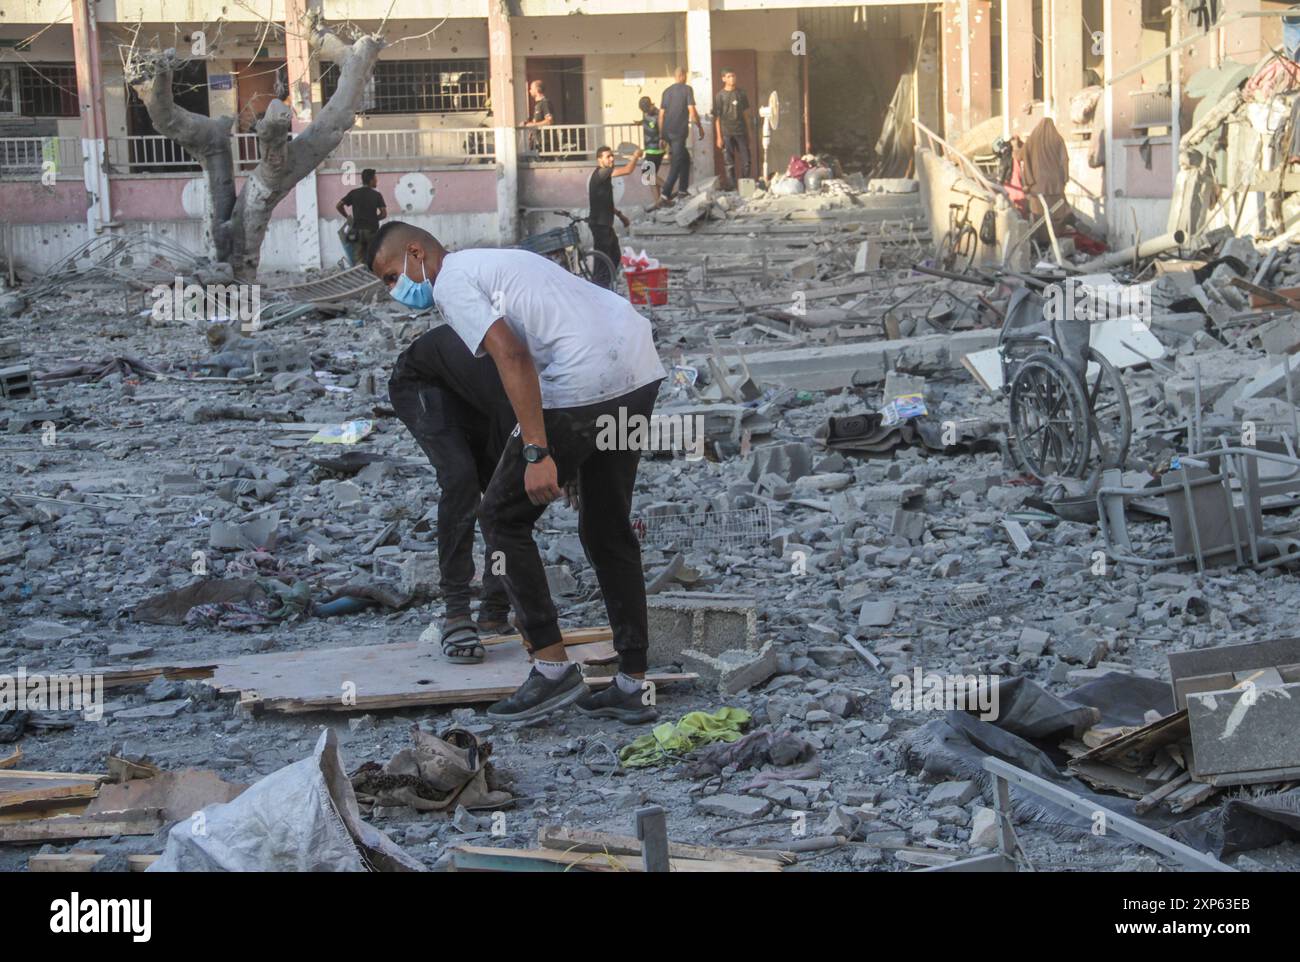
679, 166
605, 240
605, 481
735, 153
455, 438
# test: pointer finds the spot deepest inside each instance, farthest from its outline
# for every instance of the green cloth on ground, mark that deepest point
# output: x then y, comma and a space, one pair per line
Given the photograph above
672, 740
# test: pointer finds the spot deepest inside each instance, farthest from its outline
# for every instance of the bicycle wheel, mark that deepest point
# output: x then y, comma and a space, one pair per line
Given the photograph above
598, 268
957, 249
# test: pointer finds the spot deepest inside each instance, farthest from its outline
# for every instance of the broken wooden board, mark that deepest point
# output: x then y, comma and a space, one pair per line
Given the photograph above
65, 827
11, 761
564, 839
22, 791
120, 676
83, 862
379, 676
475, 858
178, 795
1133, 752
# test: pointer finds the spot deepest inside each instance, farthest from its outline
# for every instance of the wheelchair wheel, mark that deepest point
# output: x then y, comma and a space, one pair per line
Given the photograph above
1050, 422
1111, 419
598, 268
957, 250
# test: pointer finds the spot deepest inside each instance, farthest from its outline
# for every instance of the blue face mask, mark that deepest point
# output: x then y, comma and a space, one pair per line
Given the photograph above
409, 293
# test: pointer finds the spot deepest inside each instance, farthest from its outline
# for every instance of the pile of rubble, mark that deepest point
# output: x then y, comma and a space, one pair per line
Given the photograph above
852, 547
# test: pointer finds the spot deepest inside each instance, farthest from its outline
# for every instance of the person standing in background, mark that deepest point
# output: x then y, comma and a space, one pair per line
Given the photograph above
676, 113
368, 208
542, 115
654, 146
731, 127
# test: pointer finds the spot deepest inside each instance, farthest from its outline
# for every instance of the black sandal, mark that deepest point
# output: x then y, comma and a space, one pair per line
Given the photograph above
460, 642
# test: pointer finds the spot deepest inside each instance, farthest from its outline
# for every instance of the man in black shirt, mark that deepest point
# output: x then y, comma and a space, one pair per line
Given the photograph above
541, 116
455, 407
600, 201
676, 113
368, 209
731, 126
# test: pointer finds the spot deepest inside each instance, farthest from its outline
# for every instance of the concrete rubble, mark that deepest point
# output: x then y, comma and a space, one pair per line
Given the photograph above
872, 554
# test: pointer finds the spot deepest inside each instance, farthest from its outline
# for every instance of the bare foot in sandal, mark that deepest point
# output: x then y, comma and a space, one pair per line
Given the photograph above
460, 641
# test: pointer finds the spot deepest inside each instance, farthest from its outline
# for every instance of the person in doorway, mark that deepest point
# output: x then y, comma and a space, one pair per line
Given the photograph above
676, 113
654, 146
600, 201
571, 357
542, 115
456, 409
366, 208
731, 127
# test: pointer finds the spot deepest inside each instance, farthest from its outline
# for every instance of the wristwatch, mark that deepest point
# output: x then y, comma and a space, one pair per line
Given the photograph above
534, 453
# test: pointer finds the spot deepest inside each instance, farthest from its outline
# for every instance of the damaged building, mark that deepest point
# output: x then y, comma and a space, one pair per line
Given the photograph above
967, 512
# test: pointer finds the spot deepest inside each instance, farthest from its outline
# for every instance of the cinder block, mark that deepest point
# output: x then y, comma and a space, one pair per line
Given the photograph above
733, 671
16, 381
281, 359
701, 624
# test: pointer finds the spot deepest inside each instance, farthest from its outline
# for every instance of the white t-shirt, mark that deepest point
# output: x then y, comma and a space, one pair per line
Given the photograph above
588, 344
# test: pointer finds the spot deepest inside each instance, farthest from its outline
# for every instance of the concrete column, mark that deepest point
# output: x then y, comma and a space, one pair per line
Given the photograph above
298, 67
501, 72
699, 67
954, 72
1065, 22
94, 124
1123, 50
979, 41
1017, 64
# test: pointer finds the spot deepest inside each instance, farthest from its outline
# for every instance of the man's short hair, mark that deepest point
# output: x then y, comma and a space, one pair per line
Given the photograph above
604, 150
727, 70
541, 86
367, 175
392, 230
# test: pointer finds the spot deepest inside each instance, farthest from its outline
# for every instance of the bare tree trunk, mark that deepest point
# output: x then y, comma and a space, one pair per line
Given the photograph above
207, 139
236, 226
285, 162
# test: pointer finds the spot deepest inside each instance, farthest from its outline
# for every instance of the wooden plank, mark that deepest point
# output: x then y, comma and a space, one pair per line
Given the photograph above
81, 826
378, 676
564, 839
11, 761
21, 789
83, 862
475, 858
1152, 799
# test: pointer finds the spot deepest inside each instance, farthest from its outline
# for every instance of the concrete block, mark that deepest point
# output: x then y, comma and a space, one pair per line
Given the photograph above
700, 624
694, 209
278, 360
734, 806
16, 381
790, 461
876, 614
952, 793
733, 671
984, 828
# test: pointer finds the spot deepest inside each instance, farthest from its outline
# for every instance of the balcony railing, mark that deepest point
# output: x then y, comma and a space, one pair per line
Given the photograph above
574, 141
25, 158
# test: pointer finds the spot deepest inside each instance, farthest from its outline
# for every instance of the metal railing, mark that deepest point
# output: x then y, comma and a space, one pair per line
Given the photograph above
927, 138
574, 141
25, 158
460, 145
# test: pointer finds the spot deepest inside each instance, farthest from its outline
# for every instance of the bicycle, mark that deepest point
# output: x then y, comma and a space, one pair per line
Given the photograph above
563, 245
957, 249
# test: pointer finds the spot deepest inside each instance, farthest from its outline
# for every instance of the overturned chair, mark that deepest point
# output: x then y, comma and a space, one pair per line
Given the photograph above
1214, 501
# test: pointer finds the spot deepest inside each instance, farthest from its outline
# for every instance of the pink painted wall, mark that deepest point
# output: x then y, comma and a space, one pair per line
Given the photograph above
1156, 182
30, 202
469, 191
567, 187
159, 198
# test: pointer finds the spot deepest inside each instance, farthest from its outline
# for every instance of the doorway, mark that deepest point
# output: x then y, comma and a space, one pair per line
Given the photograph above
257, 83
